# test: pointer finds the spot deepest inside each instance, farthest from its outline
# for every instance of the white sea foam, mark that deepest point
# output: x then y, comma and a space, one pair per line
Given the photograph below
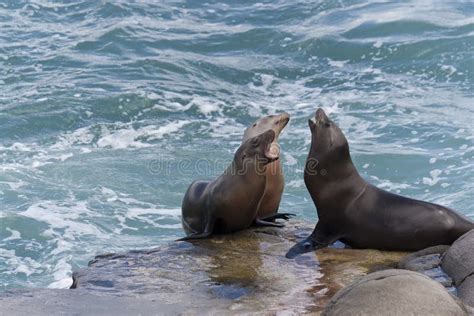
14, 185
296, 183
225, 128
127, 136
205, 104
81, 136
14, 235
122, 138
289, 160
24, 265
65, 217
143, 215
389, 185
337, 63
62, 274
435, 177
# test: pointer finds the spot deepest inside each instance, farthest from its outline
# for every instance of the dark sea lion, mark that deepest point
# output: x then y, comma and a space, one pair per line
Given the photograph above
275, 180
358, 213
230, 202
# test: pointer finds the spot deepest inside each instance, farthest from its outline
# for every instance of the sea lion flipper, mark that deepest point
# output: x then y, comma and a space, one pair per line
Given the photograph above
320, 238
285, 216
203, 235
208, 230
263, 223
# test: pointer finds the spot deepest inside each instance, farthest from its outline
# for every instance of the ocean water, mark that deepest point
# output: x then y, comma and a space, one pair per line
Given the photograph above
109, 109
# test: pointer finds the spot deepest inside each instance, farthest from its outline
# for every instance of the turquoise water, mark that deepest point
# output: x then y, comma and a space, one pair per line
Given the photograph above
106, 107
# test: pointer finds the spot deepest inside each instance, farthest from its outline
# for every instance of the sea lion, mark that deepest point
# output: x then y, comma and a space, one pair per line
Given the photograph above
230, 202
275, 180
360, 214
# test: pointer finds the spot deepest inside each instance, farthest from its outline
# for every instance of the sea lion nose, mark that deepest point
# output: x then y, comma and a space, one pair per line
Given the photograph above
320, 115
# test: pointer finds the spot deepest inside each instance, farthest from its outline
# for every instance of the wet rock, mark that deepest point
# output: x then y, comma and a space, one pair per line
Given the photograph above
423, 260
66, 302
394, 292
246, 272
466, 291
458, 261
428, 262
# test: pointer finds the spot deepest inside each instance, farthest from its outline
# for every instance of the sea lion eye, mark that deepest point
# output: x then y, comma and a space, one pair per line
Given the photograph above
327, 124
254, 124
255, 142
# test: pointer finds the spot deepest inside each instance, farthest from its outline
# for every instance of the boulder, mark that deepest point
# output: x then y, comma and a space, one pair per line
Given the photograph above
466, 291
428, 262
423, 260
394, 292
458, 261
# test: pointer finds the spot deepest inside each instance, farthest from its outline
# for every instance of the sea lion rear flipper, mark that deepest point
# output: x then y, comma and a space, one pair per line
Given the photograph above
208, 230
263, 223
285, 216
203, 235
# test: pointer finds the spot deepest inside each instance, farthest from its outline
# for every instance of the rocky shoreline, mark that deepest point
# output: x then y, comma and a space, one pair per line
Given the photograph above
247, 272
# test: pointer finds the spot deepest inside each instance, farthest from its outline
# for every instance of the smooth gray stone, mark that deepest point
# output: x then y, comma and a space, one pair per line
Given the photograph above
422, 260
428, 262
394, 292
73, 302
458, 262
466, 291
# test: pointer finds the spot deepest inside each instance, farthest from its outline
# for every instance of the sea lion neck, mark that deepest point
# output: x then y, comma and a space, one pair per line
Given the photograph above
329, 178
249, 168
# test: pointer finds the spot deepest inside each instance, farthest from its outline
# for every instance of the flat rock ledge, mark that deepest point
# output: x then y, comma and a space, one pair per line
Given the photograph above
246, 272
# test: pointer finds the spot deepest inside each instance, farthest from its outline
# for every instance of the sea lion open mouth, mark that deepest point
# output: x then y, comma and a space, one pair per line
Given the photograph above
273, 151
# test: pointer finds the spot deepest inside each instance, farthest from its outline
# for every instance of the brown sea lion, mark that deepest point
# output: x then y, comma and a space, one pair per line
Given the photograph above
230, 202
275, 180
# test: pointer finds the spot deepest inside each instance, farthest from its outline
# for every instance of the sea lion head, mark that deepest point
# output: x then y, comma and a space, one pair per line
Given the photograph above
259, 150
329, 146
274, 122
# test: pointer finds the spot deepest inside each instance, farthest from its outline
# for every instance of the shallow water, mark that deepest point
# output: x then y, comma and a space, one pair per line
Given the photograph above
105, 109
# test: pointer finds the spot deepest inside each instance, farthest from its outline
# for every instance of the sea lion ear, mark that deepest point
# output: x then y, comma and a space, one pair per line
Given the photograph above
311, 125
